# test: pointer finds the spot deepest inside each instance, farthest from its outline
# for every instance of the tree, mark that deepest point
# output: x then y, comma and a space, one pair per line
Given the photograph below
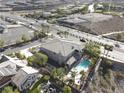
38, 58
108, 48
58, 72
92, 49
67, 89
82, 73
85, 9
54, 73
9, 89
24, 38
32, 50
39, 34
19, 55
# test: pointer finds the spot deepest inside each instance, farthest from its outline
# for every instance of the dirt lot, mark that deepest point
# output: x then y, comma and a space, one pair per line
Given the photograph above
96, 25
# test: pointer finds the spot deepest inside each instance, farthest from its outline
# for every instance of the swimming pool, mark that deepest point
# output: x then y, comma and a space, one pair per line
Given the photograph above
83, 65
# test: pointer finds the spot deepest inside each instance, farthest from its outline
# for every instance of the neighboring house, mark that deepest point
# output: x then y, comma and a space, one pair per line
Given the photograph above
7, 71
25, 78
9, 68
16, 61
5, 76
15, 71
62, 51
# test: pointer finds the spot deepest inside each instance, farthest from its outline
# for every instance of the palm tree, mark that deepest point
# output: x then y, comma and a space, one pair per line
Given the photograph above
83, 74
58, 73
108, 48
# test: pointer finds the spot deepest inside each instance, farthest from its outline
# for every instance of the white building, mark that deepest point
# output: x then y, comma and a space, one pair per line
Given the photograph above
25, 78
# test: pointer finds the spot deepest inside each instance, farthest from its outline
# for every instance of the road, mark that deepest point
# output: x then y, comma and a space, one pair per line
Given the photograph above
16, 49
117, 54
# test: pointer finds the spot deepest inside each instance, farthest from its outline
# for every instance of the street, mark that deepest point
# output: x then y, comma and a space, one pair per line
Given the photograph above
116, 54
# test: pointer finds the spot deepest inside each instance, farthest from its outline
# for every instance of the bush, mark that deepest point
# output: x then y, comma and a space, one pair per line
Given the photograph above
67, 89
9, 89
38, 58
19, 55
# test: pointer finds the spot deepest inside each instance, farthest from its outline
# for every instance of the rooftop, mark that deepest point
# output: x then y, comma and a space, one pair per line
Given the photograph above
22, 75
7, 71
61, 46
29, 70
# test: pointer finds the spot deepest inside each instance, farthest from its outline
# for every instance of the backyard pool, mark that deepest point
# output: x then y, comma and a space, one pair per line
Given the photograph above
83, 65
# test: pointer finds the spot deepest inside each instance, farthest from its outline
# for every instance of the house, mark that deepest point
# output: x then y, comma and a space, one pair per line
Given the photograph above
25, 78
6, 74
7, 71
19, 63
15, 71
62, 51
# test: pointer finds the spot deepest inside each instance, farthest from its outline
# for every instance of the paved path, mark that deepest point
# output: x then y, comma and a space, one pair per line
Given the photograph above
107, 34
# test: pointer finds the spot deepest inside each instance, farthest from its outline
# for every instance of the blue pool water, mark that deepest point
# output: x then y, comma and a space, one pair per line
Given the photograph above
83, 65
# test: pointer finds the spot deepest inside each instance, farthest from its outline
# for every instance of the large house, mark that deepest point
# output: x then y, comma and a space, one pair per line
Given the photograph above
7, 71
5, 75
13, 70
62, 51
25, 78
